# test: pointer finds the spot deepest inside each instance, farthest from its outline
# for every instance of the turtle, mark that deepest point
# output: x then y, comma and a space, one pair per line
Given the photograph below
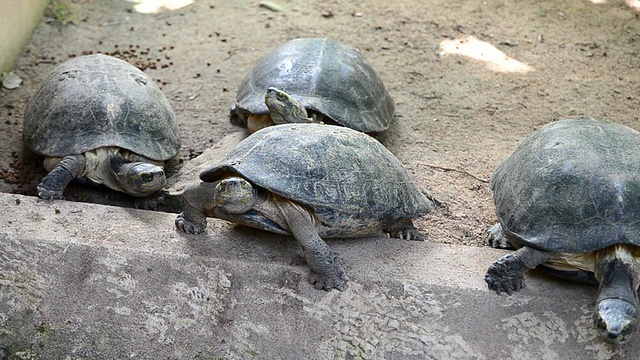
568, 199
327, 81
100, 118
312, 181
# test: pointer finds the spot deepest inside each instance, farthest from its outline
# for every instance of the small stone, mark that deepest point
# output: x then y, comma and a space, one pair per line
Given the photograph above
11, 81
394, 324
270, 5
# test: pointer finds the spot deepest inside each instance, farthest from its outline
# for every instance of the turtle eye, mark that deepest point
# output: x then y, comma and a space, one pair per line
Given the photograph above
282, 96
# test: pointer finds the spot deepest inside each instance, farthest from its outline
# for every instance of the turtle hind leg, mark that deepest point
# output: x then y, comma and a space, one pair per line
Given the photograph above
497, 239
507, 273
53, 184
404, 230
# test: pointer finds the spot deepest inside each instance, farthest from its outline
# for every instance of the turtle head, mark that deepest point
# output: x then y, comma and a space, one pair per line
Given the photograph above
615, 320
138, 178
284, 109
235, 195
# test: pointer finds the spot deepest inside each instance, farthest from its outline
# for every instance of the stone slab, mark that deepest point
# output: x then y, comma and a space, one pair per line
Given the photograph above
93, 281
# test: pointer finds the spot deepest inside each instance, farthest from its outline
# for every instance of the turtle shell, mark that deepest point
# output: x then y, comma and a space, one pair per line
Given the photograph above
97, 100
325, 76
341, 174
572, 186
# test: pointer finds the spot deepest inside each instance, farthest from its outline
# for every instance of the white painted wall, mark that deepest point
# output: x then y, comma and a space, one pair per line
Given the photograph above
18, 18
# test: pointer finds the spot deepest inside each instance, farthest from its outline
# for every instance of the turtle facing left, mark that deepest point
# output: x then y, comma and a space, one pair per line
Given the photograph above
321, 81
311, 181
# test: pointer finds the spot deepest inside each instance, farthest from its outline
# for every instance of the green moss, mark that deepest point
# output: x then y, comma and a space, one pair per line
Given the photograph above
17, 350
15, 345
62, 11
43, 329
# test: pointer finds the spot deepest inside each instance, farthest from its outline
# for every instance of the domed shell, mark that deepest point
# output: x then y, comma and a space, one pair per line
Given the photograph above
98, 100
572, 186
326, 76
340, 173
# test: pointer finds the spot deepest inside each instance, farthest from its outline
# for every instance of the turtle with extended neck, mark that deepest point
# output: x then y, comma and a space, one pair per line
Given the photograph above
332, 82
568, 199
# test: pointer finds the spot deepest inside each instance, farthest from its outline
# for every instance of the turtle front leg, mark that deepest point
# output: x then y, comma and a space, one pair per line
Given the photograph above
53, 184
326, 273
405, 230
196, 201
507, 273
150, 202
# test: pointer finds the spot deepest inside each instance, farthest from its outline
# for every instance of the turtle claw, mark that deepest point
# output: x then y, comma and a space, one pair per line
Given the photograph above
500, 279
496, 238
407, 234
47, 194
405, 231
336, 279
326, 273
187, 226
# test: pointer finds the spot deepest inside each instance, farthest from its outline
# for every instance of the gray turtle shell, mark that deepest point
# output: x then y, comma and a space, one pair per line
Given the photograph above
339, 173
98, 100
326, 76
572, 186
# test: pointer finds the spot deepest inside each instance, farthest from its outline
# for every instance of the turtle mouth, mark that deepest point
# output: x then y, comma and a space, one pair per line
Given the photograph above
615, 320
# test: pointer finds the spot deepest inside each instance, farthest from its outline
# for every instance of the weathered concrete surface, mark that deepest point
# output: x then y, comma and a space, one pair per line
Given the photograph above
92, 281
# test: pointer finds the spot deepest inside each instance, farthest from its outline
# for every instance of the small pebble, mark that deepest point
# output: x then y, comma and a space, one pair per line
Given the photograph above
270, 5
11, 81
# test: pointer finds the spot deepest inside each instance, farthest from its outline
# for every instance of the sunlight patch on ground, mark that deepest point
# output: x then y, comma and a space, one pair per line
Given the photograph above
482, 51
634, 4
154, 6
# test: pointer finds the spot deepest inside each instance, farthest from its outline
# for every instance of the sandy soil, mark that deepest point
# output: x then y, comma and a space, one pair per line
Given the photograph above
457, 116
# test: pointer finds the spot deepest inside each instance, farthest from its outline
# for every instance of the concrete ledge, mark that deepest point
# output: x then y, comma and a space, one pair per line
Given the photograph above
90, 281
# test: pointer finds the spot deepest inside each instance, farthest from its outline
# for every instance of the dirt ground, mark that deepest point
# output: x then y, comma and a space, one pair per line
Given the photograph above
456, 116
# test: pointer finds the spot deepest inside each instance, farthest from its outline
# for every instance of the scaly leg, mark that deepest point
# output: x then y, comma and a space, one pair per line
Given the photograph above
326, 273
507, 273
53, 184
196, 201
